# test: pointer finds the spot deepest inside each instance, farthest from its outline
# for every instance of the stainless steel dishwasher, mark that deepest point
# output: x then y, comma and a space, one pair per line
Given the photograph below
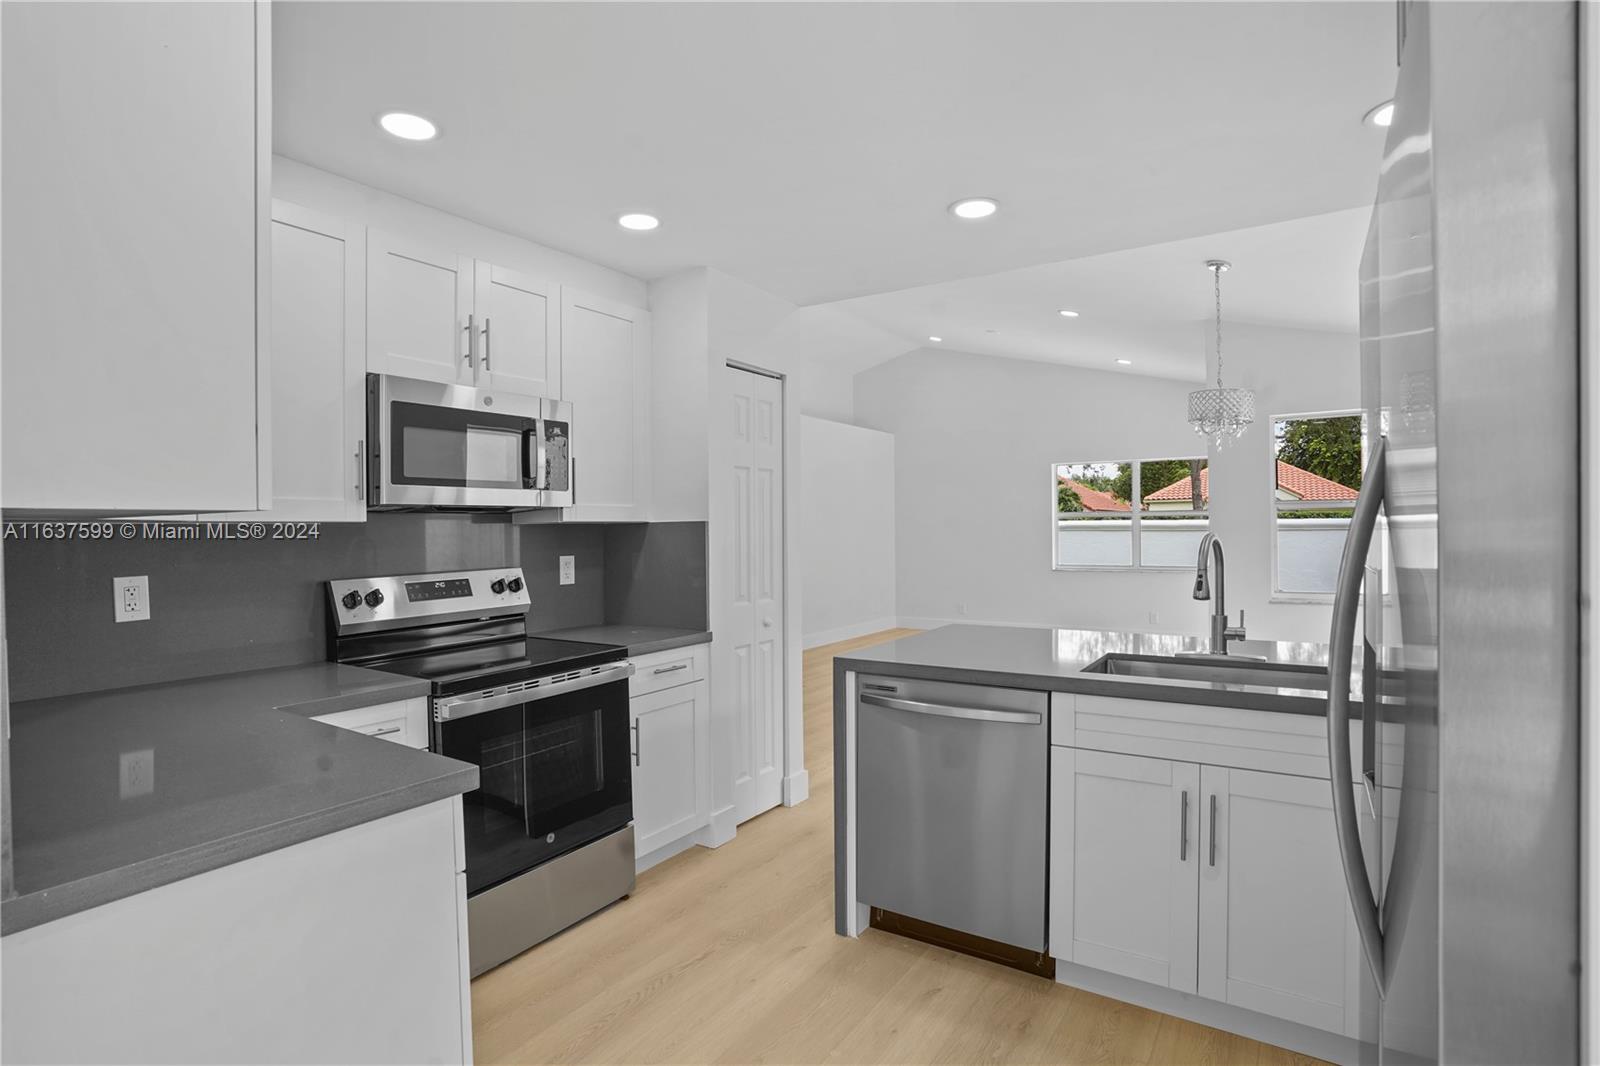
952, 795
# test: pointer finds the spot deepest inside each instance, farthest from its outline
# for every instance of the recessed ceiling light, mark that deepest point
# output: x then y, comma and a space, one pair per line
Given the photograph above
1124, 362
1380, 116
937, 340
637, 221
1064, 313
408, 127
974, 207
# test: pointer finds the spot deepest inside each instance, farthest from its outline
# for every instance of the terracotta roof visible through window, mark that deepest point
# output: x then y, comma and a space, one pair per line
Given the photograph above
1094, 499
1302, 484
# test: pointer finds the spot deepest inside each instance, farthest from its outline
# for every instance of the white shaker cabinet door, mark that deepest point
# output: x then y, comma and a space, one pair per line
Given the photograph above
419, 311
318, 369
518, 318
605, 375
671, 795
1275, 929
136, 160
1124, 855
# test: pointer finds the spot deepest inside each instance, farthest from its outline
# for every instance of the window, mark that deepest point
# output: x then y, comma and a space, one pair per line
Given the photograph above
1318, 462
1097, 525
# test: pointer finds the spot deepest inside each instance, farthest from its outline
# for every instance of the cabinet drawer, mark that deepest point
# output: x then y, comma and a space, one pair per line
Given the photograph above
403, 721
667, 669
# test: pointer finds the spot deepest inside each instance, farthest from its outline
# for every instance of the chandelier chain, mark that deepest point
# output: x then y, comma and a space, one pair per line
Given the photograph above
1216, 278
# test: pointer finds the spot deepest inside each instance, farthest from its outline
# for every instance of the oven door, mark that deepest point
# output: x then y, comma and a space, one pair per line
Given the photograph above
554, 772
439, 445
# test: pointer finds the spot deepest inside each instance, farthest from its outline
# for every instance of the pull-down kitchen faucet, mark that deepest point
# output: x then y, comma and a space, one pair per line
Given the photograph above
1221, 631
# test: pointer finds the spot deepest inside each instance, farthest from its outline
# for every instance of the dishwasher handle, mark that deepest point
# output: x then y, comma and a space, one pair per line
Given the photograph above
975, 714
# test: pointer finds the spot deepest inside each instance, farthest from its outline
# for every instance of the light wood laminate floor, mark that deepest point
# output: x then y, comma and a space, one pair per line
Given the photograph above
729, 956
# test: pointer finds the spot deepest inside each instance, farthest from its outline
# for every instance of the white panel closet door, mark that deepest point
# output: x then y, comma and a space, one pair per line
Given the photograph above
756, 587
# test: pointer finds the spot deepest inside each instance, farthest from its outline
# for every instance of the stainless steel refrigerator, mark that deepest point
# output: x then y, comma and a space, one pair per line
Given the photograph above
1462, 856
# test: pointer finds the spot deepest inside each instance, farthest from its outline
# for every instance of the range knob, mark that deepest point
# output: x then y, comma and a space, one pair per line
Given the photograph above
515, 584
374, 598
497, 586
351, 600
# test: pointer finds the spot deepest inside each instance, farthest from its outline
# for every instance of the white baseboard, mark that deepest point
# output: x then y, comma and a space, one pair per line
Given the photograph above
796, 788
1269, 1030
723, 828
849, 632
641, 863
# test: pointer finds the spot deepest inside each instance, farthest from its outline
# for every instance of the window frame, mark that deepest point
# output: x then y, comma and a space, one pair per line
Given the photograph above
1135, 525
1278, 594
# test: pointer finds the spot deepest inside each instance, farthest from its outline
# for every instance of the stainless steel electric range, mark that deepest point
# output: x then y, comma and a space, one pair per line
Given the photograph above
548, 832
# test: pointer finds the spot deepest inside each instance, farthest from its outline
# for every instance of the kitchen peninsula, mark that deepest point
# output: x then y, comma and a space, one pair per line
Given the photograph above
1117, 810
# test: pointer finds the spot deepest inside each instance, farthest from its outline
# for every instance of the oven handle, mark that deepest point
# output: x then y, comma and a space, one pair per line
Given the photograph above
451, 709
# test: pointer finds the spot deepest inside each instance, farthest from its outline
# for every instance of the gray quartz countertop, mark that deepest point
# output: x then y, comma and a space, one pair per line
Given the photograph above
117, 792
1054, 659
639, 640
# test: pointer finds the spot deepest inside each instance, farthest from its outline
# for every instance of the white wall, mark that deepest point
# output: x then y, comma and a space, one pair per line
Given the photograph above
975, 440
680, 400
847, 509
321, 191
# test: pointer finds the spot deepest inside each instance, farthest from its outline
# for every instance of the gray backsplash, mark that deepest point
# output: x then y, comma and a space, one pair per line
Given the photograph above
218, 606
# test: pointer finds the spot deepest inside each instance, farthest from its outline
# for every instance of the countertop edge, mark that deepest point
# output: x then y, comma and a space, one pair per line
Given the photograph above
60, 901
1116, 688
403, 688
588, 635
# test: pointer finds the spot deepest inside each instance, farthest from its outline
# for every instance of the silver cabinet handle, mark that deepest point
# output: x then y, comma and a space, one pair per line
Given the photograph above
472, 339
1341, 648
670, 669
976, 714
1213, 841
638, 744
1183, 828
486, 342
385, 731
361, 471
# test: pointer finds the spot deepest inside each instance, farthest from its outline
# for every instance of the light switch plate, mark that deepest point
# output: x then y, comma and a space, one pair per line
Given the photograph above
131, 598
569, 570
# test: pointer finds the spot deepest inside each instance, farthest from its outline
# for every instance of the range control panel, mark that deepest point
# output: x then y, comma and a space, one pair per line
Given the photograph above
366, 602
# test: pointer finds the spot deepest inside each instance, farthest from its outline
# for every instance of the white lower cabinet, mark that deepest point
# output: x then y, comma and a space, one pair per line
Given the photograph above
1123, 866
1275, 924
670, 716
1220, 881
402, 721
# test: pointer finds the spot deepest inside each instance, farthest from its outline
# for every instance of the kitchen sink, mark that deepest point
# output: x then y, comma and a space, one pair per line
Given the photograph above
1217, 670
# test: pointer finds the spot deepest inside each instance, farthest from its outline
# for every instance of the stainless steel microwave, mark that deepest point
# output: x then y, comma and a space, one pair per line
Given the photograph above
454, 446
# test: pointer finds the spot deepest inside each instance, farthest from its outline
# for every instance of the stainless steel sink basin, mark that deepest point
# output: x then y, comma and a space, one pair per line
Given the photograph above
1217, 671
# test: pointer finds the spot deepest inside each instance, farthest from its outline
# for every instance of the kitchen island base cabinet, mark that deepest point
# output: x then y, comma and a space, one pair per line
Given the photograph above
1124, 860
1213, 891
346, 948
1275, 931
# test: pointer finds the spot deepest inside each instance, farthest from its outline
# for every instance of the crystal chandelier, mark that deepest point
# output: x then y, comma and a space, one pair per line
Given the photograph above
1220, 414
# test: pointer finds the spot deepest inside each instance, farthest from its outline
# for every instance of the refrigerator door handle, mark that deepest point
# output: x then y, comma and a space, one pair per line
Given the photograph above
1341, 648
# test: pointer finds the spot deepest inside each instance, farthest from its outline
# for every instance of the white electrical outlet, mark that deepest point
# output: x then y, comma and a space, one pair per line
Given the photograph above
138, 773
569, 569
131, 598
1155, 618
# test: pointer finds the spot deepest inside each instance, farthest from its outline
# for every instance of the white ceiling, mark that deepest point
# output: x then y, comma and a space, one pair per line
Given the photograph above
1153, 305
811, 148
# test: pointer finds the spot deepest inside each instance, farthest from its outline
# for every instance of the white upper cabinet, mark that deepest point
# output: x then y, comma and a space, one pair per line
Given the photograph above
318, 367
605, 375
135, 192
1124, 855
419, 311
519, 323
